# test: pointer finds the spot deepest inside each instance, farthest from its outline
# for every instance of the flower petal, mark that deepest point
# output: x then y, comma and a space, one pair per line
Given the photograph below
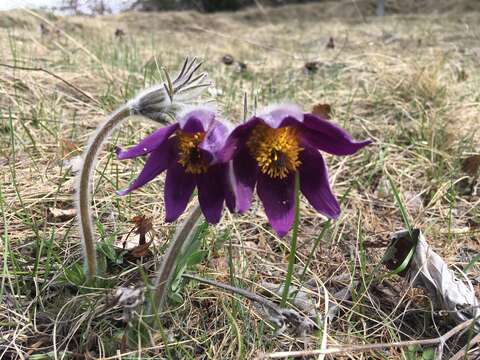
245, 173
275, 115
214, 140
179, 187
211, 192
148, 144
229, 188
278, 198
314, 183
237, 138
197, 120
157, 162
326, 136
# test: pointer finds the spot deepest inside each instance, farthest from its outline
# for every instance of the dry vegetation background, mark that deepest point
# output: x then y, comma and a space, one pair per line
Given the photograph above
409, 81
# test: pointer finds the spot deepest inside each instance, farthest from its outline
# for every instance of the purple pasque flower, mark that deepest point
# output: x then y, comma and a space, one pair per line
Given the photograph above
188, 150
269, 149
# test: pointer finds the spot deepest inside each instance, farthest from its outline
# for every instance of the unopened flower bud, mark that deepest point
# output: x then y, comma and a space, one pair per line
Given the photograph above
164, 101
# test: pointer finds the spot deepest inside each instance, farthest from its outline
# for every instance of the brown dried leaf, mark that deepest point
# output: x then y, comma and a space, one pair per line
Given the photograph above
142, 224
228, 59
68, 147
312, 66
62, 214
139, 251
119, 33
462, 75
331, 43
322, 110
471, 165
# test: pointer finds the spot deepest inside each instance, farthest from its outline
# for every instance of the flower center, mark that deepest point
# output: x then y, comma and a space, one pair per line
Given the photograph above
275, 150
189, 155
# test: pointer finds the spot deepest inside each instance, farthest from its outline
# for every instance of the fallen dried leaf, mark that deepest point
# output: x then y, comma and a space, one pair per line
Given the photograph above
68, 147
127, 299
139, 251
142, 226
424, 268
331, 43
242, 67
228, 59
62, 214
462, 75
322, 110
471, 165
119, 33
312, 66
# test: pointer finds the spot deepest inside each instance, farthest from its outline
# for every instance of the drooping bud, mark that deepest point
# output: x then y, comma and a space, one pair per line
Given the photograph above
162, 102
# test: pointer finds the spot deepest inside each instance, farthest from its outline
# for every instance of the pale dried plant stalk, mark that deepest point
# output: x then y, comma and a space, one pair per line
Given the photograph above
159, 103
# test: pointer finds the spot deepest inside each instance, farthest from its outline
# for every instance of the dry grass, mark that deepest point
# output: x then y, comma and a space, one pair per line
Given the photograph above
410, 82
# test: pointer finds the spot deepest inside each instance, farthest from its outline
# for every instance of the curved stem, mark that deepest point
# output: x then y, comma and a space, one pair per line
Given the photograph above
293, 243
167, 267
84, 186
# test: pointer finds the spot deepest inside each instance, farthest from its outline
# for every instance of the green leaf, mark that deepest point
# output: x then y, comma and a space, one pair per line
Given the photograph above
75, 275
107, 248
401, 207
190, 256
411, 352
428, 354
176, 297
197, 257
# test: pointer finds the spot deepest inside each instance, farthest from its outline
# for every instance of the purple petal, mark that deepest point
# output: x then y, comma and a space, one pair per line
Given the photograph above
278, 198
229, 187
275, 115
179, 187
148, 144
314, 183
237, 138
326, 136
245, 173
197, 120
213, 142
158, 161
211, 192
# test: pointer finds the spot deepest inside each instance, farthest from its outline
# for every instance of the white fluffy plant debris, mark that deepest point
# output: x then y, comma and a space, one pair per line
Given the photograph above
410, 256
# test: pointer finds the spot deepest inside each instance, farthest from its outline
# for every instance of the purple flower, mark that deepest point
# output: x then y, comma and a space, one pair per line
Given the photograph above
269, 149
188, 150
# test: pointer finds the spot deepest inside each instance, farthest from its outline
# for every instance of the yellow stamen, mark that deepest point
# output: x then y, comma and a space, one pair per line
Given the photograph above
189, 156
276, 150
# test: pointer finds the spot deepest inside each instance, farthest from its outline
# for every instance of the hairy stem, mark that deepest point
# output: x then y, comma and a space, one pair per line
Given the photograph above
84, 186
167, 268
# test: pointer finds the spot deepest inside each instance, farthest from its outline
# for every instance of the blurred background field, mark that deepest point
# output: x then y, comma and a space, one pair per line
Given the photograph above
408, 80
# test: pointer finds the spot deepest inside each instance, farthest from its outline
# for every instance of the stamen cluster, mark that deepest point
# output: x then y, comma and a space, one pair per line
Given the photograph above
189, 155
275, 150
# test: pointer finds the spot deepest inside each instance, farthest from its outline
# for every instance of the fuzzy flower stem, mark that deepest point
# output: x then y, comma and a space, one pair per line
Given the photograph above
84, 186
155, 103
167, 268
293, 243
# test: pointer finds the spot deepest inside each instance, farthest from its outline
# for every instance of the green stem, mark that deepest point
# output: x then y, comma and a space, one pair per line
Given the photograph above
293, 243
